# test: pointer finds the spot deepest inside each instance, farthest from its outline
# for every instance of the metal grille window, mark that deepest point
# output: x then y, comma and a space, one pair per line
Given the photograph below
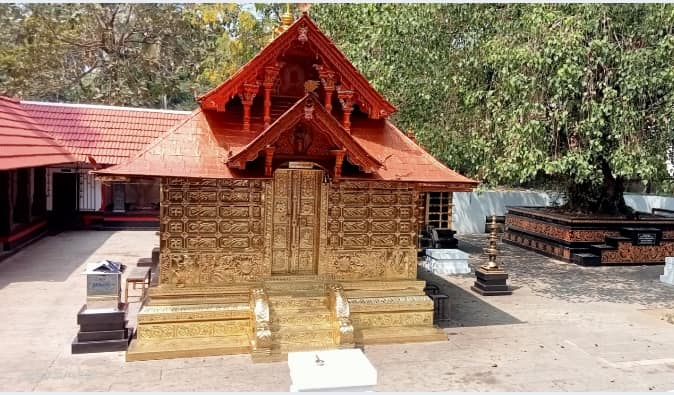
439, 209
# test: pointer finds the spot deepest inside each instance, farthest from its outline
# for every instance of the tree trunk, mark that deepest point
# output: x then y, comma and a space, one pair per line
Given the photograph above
611, 199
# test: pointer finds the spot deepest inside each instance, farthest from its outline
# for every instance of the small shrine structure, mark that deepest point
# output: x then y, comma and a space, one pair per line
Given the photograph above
290, 211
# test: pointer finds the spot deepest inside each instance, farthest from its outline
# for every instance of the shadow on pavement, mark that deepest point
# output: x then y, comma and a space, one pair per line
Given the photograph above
554, 279
52, 258
465, 308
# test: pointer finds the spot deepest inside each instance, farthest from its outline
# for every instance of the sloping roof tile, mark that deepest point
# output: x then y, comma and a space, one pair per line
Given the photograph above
24, 141
110, 135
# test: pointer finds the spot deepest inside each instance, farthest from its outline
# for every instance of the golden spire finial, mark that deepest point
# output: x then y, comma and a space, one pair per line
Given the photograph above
287, 19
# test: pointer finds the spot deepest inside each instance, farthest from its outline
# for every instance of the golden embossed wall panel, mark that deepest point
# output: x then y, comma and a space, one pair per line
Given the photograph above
212, 232
371, 231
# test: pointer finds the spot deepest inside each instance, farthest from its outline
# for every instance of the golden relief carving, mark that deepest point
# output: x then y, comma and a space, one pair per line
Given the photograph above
202, 196
175, 196
234, 212
154, 314
354, 199
353, 226
384, 199
383, 226
238, 227
351, 241
235, 196
367, 320
201, 211
193, 329
383, 212
383, 240
354, 212
207, 242
201, 227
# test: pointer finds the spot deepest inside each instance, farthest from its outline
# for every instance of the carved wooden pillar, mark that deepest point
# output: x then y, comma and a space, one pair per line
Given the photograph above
268, 157
270, 74
339, 160
249, 92
346, 98
327, 77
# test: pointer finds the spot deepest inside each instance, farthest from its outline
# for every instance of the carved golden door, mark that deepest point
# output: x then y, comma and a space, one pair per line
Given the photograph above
296, 203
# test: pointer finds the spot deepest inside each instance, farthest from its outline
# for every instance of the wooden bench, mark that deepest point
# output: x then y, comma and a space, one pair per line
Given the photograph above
138, 275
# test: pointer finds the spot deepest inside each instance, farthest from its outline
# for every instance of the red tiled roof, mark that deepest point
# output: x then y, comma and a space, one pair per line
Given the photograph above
25, 142
110, 135
202, 144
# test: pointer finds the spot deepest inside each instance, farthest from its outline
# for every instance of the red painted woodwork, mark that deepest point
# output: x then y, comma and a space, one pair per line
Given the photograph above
303, 37
312, 114
346, 99
23, 232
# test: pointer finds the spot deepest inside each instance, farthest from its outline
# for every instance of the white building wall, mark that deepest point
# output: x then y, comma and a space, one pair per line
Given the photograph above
471, 208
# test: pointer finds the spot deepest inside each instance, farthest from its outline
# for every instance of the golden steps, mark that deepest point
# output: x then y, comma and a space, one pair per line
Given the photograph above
179, 313
184, 348
279, 315
392, 335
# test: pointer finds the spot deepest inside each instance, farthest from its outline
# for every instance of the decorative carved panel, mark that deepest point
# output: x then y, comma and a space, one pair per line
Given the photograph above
212, 232
371, 230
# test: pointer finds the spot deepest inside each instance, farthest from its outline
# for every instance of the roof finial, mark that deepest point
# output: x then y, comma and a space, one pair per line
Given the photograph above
287, 19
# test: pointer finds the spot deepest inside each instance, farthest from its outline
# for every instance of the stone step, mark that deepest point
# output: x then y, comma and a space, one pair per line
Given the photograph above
390, 335
615, 240
140, 350
308, 346
300, 317
277, 303
198, 301
191, 312
587, 259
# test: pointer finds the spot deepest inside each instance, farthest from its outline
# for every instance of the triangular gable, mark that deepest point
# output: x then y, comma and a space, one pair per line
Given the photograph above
310, 111
305, 31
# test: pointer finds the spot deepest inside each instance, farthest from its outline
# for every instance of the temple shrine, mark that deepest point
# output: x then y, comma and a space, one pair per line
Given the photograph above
290, 212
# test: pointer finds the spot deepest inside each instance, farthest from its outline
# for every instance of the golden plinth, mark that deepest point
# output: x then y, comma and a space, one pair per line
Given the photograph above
286, 264
279, 315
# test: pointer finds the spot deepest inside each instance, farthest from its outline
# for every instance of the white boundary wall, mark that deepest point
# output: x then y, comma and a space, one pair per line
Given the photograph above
471, 208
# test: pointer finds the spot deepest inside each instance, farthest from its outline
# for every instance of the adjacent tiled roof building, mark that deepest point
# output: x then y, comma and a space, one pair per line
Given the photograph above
25, 141
105, 134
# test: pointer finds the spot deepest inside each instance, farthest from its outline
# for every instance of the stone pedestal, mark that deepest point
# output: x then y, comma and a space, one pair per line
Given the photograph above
331, 370
668, 276
101, 330
491, 282
446, 261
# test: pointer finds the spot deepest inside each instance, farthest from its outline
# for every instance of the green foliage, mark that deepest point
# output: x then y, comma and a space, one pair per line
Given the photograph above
509, 94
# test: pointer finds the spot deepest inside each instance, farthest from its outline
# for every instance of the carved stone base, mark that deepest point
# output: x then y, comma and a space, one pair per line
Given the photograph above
491, 282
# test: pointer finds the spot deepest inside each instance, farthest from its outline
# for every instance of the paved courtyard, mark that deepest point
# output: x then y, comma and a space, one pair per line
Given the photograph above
565, 328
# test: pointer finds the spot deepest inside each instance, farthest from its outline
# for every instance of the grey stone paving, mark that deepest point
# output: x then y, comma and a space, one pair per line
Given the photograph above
565, 328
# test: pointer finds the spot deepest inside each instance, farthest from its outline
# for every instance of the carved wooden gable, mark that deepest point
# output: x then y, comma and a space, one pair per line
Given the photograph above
306, 129
300, 54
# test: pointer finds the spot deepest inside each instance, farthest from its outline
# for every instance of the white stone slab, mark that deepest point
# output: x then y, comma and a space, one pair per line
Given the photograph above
446, 261
668, 276
341, 370
447, 253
